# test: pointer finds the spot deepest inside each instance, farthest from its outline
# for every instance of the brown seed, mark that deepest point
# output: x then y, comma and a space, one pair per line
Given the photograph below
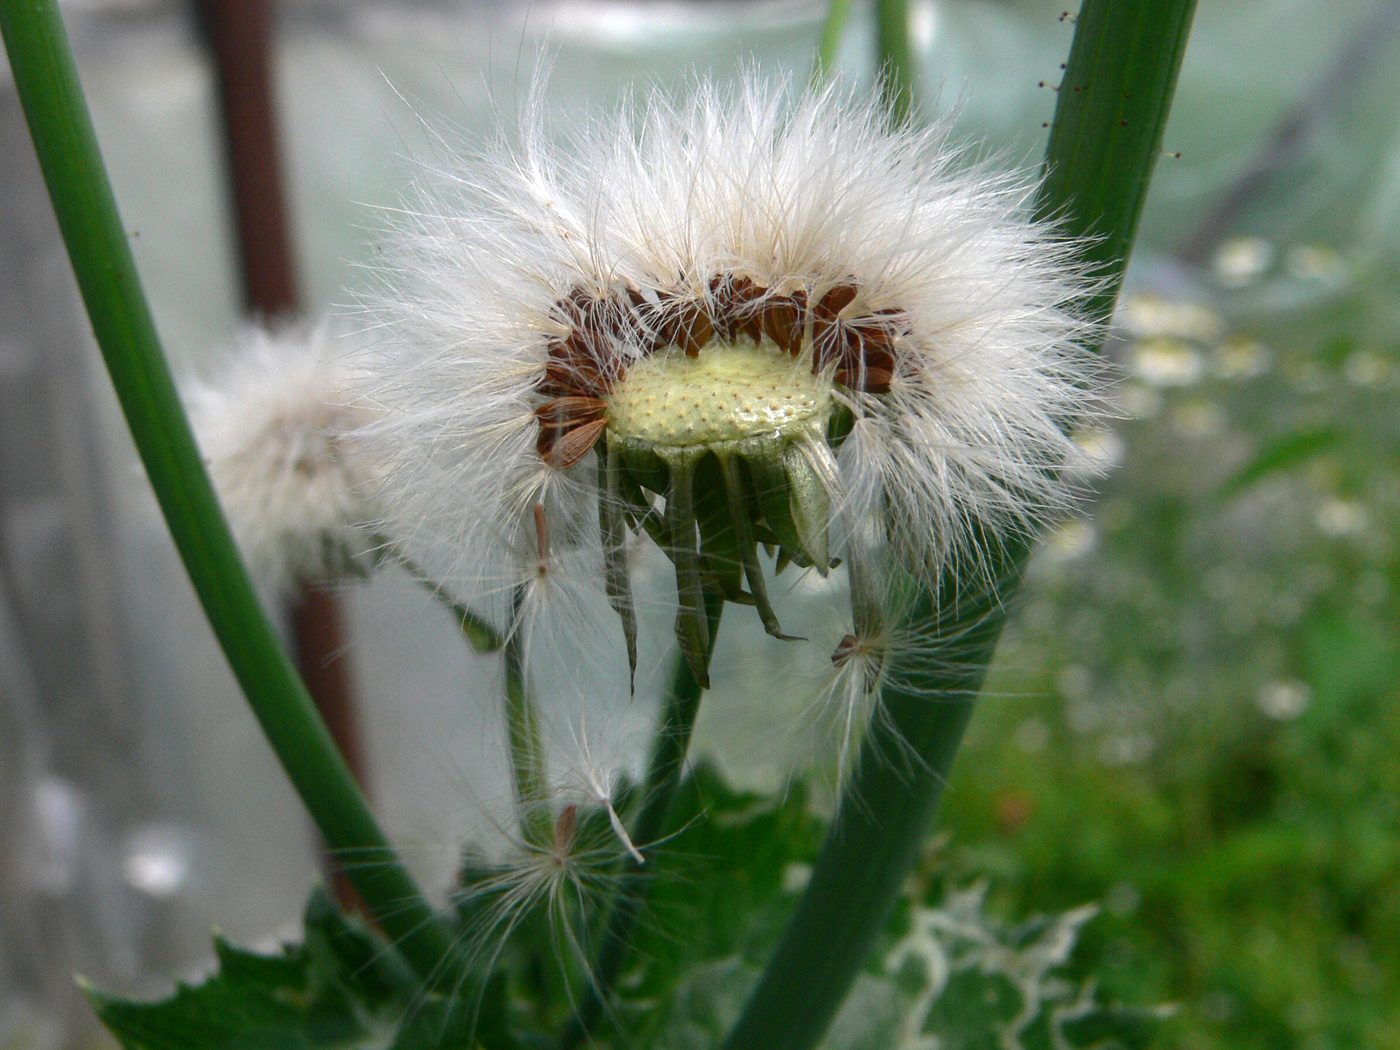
566, 412
685, 324
569, 427
541, 534
836, 300
783, 321
565, 829
571, 445
736, 308
695, 334
565, 376
845, 649
861, 349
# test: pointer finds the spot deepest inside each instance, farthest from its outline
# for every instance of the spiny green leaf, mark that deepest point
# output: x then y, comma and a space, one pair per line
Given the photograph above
341, 987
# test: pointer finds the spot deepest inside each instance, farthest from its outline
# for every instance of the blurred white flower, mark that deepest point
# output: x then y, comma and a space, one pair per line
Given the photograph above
1242, 260
1100, 452
1148, 316
1240, 357
1340, 518
1316, 262
755, 316
277, 432
1166, 361
1284, 699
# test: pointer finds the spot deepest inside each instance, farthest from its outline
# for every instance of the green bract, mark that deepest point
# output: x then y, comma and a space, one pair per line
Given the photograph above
735, 440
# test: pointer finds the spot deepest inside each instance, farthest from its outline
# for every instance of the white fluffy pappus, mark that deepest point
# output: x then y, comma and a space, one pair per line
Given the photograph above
276, 428
538, 296
568, 857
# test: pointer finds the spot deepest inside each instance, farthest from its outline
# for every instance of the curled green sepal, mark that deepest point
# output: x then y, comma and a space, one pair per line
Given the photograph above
809, 499
771, 488
479, 632
613, 526
692, 629
737, 493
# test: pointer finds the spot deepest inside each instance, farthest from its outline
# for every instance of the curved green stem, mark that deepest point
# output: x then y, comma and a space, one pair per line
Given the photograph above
68, 153
883, 816
1106, 136
1108, 128
664, 775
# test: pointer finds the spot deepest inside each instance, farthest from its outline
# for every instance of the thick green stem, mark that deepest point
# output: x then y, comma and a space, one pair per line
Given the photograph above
66, 144
838, 15
664, 775
883, 816
1107, 132
899, 66
1108, 128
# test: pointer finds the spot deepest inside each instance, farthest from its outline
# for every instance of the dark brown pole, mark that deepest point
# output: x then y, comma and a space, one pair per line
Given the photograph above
323, 658
239, 33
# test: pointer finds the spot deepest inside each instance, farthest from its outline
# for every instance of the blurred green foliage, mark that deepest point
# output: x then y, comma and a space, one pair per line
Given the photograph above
1200, 701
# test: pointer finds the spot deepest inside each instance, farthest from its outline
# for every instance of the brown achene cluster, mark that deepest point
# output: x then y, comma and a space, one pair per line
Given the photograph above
584, 365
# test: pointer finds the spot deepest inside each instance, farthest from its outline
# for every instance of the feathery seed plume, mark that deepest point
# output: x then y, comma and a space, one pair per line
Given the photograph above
277, 433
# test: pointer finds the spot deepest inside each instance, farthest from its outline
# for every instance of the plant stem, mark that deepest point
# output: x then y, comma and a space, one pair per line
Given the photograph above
833, 31
1106, 135
323, 659
239, 34
479, 632
66, 145
882, 818
664, 776
899, 66
527, 755
1112, 108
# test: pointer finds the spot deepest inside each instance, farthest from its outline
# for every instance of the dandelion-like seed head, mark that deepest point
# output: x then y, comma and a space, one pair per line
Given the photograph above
754, 319
278, 430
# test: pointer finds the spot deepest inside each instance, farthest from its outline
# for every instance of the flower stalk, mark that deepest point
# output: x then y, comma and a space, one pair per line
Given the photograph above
66, 144
526, 743
1105, 139
838, 15
899, 65
664, 775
